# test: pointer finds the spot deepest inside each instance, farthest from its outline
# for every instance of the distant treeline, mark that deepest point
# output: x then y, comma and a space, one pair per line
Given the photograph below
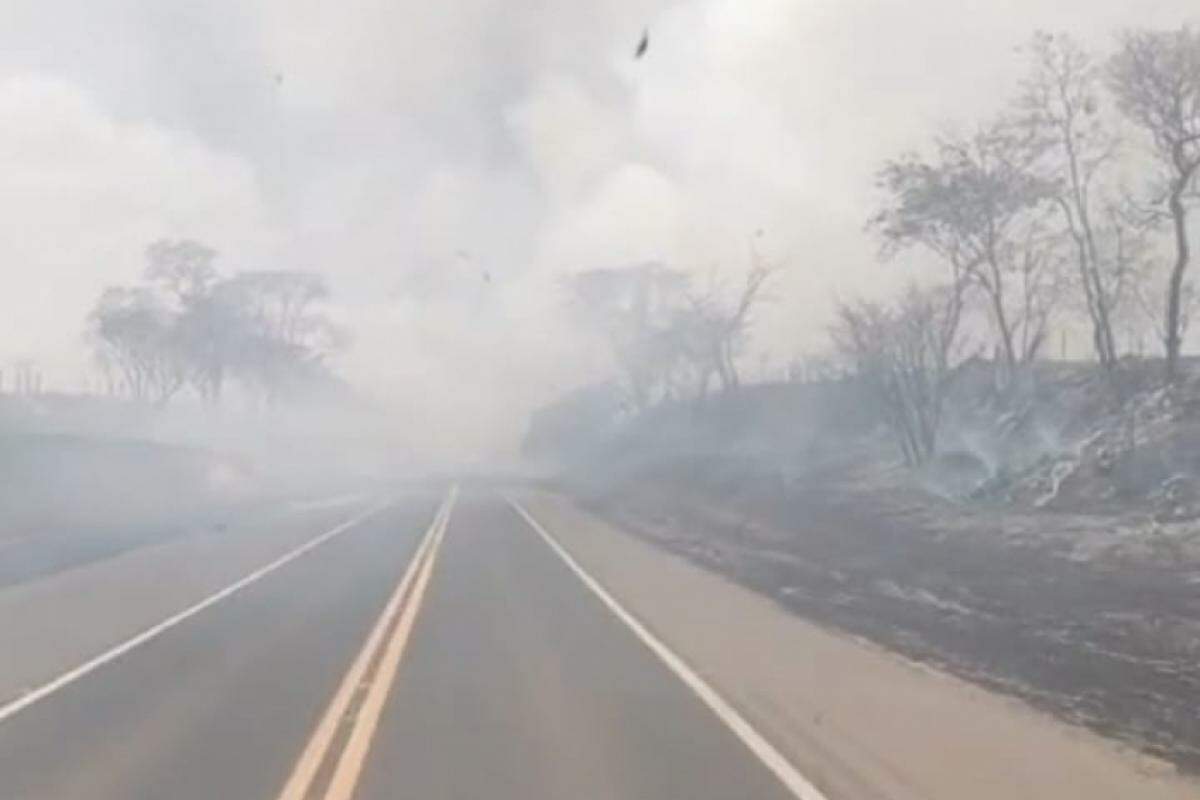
186, 326
1071, 202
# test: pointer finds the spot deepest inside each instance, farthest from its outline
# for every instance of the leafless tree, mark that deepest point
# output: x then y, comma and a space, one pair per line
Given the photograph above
131, 328
669, 339
905, 354
281, 303
182, 268
186, 324
1154, 311
636, 310
1038, 288
712, 330
1155, 77
1061, 103
980, 207
280, 338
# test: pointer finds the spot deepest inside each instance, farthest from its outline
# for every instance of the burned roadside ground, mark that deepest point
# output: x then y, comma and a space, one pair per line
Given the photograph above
1111, 647
1067, 576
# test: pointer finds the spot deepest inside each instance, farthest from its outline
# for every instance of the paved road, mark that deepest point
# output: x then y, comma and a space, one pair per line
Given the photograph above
428, 651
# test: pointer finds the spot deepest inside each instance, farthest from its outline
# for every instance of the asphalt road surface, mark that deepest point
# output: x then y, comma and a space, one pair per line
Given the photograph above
437, 648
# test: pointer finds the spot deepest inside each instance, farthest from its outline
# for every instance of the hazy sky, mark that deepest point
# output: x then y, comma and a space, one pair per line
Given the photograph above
404, 149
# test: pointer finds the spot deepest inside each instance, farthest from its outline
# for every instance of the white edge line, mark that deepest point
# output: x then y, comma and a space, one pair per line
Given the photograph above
770, 756
18, 705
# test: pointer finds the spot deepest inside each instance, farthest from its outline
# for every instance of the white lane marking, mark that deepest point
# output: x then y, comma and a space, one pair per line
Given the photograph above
18, 705
775, 761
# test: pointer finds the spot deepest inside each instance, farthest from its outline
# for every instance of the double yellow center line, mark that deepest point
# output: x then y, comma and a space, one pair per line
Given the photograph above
332, 762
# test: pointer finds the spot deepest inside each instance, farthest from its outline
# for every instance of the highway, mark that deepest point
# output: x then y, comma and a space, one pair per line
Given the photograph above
440, 645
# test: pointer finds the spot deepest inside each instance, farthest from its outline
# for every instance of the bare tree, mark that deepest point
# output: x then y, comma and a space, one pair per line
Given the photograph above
281, 336
184, 275
281, 303
182, 268
978, 206
637, 311
905, 355
130, 328
185, 324
215, 334
1060, 103
1154, 311
1155, 77
712, 330
1038, 287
